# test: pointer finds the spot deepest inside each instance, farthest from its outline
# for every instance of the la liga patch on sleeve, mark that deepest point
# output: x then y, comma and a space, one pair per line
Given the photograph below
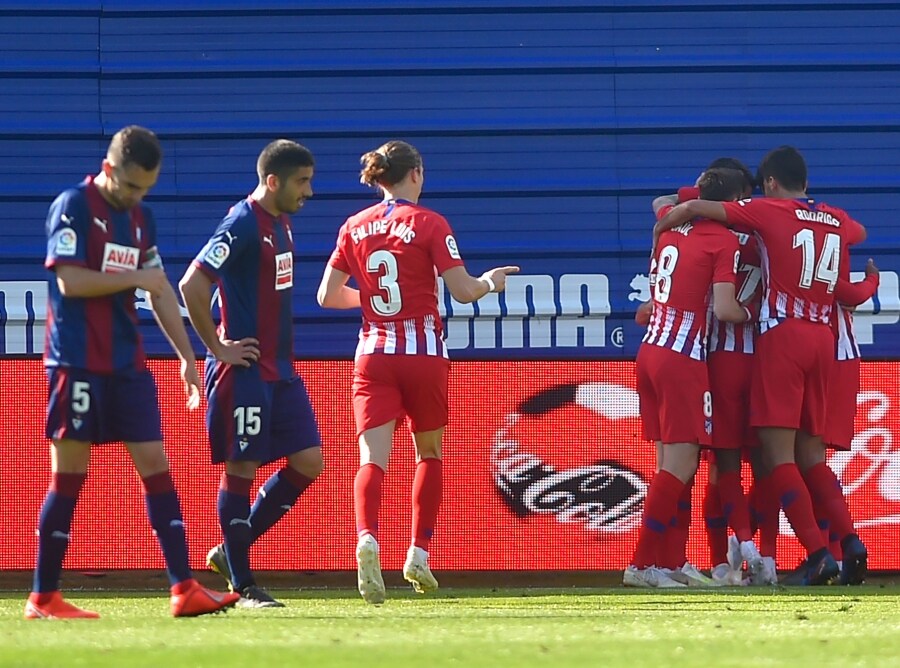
217, 254
66, 242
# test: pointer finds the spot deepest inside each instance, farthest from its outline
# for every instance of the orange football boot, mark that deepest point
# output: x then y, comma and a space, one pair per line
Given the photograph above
51, 605
191, 599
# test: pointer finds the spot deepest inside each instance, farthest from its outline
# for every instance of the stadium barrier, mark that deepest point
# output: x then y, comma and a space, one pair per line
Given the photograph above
545, 470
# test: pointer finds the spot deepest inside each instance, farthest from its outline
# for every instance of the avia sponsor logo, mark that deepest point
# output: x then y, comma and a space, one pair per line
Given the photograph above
284, 271
586, 479
118, 258
536, 311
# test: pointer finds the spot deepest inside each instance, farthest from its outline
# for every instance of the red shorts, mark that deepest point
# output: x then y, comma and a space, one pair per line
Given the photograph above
676, 405
843, 386
790, 376
387, 387
730, 376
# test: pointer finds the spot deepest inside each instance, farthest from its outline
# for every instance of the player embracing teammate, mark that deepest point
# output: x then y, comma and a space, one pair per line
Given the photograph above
803, 248
690, 263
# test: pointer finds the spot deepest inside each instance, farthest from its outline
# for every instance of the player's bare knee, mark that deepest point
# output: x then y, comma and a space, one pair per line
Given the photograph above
309, 462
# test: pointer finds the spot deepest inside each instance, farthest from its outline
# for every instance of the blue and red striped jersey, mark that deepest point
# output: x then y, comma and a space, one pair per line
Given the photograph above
251, 258
99, 334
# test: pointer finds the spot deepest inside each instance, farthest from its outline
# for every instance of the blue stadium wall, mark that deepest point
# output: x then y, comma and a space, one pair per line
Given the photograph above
546, 129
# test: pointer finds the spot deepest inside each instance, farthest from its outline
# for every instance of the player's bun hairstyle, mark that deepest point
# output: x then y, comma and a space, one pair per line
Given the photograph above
281, 158
388, 164
134, 145
734, 163
721, 185
785, 165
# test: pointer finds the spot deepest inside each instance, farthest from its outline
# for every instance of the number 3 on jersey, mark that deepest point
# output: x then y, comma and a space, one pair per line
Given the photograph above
385, 260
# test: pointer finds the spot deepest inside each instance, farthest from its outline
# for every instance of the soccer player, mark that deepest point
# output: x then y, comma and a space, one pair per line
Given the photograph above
101, 247
395, 250
729, 365
829, 503
801, 245
259, 410
688, 264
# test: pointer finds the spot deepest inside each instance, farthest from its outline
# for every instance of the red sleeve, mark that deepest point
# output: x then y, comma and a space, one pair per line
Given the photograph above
338, 258
749, 214
663, 210
726, 257
444, 251
854, 294
688, 193
855, 231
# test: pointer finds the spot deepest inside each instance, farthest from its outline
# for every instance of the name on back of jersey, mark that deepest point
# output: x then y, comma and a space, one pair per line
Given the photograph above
118, 258
817, 217
392, 228
284, 271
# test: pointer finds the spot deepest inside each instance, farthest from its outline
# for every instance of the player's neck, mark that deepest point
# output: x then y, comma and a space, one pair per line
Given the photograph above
266, 200
101, 181
408, 194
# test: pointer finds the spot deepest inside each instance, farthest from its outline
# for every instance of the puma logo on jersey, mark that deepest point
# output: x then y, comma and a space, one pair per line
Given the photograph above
118, 258
231, 237
100, 223
268, 240
284, 271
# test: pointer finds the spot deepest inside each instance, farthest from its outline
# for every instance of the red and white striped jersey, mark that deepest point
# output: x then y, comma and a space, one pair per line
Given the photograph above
800, 249
846, 346
688, 260
741, 337
412, 336
848, 295
395, 251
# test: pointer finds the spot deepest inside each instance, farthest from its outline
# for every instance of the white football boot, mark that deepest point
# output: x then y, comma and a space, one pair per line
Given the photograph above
417, 572
648, 578
368, 570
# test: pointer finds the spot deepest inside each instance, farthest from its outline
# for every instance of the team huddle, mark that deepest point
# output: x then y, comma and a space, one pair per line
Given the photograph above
102, 247
750, 353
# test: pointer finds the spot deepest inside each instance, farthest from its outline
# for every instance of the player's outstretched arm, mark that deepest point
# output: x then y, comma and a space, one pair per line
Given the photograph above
333, 290
726, 306
466, 288
664, 200
695, 208
854, 294
195, 289
168, 317
85, 283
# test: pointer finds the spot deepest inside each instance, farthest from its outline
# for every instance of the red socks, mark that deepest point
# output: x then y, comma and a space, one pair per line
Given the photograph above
716, 525
426, 500
660, 508
734, 504
367, 498
825, 489
788, 485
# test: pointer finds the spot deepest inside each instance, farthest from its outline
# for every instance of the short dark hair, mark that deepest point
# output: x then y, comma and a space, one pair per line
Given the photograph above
721, 185
135, 145
734, 163
785, 165
281, 158
389, 163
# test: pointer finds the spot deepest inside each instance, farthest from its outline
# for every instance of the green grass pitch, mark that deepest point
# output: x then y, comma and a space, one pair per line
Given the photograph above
819, 627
